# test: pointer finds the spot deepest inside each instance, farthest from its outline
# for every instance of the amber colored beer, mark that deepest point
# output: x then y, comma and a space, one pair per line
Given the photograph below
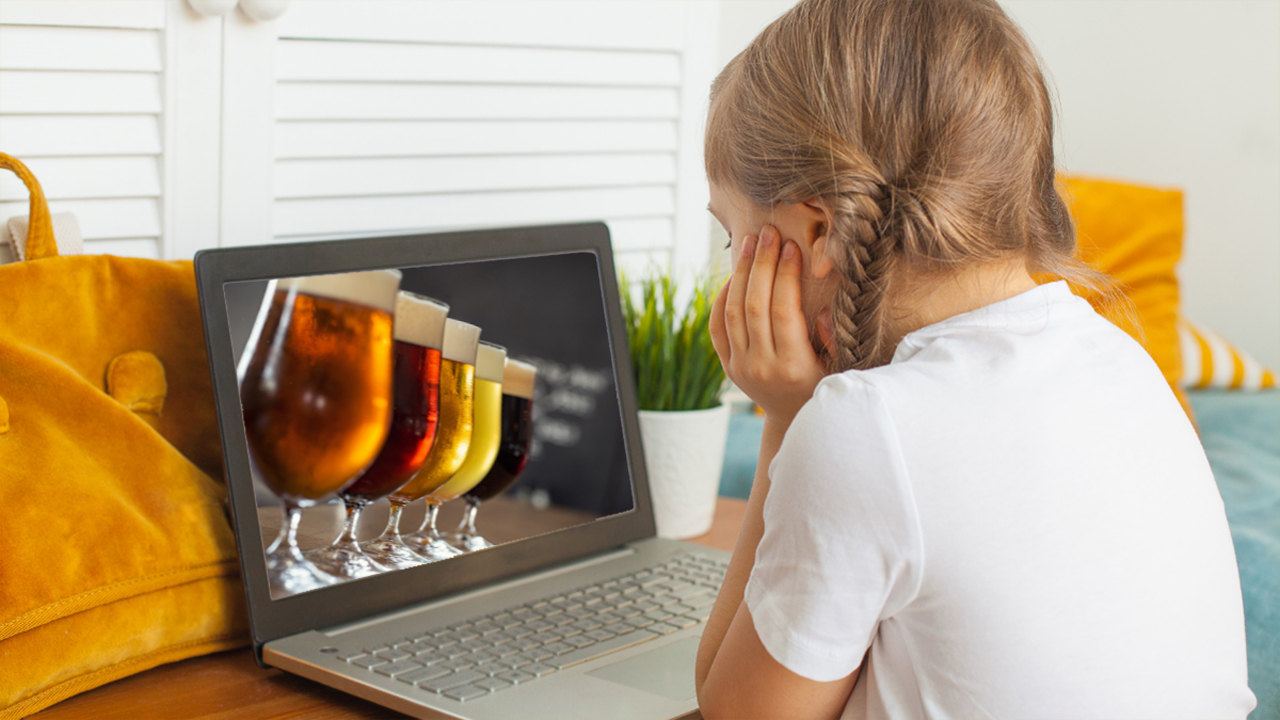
486, 432
453, 431
317, 396
414, 417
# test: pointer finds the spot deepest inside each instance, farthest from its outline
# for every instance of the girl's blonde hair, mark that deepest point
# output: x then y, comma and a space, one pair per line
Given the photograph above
924, 125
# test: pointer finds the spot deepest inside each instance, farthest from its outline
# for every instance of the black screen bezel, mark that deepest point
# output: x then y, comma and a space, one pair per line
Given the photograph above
271, 619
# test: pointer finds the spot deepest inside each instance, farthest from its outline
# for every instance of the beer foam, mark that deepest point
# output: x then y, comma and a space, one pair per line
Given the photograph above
375, 288
489, 360
517, 379
460, 342
420, 320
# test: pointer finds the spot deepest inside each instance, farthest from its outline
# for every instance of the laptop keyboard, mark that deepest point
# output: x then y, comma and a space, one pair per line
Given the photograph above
522, 643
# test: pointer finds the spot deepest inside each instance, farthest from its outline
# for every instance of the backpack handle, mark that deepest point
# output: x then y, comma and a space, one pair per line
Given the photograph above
40, 242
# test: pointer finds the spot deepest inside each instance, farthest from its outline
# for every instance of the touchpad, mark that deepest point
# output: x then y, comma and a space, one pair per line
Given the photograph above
667, 671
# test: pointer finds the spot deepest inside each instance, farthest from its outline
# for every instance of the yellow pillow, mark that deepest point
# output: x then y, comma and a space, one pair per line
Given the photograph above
1134, 234
1209, 361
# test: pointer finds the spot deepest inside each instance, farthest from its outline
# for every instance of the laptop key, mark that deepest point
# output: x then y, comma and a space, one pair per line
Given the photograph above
458, 664
701, 614
414, 677
538, 669
467, 692
369, 661
556, 647
595, 650
682, 621
657, 615
618, 628
639, 622
579, 641
448, 682
525, 644
539, 625
493, 684
349, 656
492, 668
480, 657
517, 676
600, 634
397, 668
432, 658
515, 662
698, 601
664, 628
539, 654
546, 637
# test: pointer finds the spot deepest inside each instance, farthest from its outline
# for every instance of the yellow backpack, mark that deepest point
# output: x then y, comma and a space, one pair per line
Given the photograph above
116, 554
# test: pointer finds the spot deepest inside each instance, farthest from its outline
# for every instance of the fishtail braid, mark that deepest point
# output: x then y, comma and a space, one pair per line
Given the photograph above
865, 261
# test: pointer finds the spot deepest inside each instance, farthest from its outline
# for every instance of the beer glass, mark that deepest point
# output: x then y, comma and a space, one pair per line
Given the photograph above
513, 451
485, 437
315, 387
453, 438
419, 335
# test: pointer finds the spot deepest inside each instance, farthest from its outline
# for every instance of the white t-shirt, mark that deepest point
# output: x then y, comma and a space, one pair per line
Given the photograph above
1016, 518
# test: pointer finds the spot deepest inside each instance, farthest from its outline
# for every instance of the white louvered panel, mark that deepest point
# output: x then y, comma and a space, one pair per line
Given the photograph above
65, 48
637, 264
315, 217
81, 106
564, 23
376, 138
78, 135
641, 233
302, 60
103, 219
405, 101
405, 176
89, 177
135, 247
79, 93
141, 14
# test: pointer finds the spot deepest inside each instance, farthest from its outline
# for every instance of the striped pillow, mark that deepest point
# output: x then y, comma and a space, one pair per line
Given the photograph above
1208, 361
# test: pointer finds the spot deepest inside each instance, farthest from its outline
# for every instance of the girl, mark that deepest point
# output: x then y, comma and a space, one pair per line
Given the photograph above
975, 496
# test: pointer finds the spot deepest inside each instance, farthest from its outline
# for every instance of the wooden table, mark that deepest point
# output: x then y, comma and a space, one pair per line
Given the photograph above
231, 685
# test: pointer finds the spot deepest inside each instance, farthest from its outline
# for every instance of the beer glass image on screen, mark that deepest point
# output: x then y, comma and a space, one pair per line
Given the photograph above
485, 436
419, 335
315, 387
453, 439
518, 382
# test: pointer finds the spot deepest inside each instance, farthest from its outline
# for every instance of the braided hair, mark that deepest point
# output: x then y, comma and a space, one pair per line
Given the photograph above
926, 130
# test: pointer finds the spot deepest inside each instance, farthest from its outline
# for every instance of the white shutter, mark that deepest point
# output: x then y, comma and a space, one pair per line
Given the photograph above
82, 106
393, 116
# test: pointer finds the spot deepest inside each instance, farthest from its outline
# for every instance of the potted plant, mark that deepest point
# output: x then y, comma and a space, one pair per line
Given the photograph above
683, 424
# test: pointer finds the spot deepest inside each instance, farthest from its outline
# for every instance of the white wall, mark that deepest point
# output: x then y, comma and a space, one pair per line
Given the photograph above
1184, 94
1177, 93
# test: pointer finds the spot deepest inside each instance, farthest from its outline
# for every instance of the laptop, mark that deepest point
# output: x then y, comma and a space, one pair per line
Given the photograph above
561, 602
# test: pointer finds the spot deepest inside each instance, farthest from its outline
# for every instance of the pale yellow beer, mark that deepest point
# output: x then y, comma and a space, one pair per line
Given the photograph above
486, 434
457, 413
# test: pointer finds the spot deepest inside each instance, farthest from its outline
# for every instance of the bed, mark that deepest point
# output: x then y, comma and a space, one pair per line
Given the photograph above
1240, 432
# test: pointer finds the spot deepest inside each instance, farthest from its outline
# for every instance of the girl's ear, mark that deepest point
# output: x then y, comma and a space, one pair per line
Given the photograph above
818, 221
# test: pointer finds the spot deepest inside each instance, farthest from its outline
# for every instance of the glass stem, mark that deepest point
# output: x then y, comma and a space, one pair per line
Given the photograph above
432, 511
393, 521
468, 524
288, 537
348, 536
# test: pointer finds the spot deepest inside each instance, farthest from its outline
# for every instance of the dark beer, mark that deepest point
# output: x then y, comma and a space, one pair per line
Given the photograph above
513, 449
317, 393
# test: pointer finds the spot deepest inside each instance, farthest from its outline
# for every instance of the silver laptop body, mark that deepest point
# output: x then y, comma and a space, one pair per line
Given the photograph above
580, 611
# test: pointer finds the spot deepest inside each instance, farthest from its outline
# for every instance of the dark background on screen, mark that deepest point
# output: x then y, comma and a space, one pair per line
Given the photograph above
546, 310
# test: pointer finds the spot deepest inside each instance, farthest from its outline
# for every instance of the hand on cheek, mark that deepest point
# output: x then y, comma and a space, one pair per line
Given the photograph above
759, 329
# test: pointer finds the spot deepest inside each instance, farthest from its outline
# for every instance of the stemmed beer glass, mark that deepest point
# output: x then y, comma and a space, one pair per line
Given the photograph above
518, 380
485, 437
315, 387
419, 335
453, 439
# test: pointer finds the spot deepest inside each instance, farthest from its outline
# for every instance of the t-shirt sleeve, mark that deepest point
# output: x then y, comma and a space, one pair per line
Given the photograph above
841, 547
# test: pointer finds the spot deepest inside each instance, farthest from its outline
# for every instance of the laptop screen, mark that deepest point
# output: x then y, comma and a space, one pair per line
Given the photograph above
419, 414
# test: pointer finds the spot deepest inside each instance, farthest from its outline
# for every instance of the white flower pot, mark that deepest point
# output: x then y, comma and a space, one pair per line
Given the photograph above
683, 452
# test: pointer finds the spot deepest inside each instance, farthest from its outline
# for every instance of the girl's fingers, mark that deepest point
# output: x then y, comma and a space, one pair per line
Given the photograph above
734, 318
759, 296
719, 338
790, 331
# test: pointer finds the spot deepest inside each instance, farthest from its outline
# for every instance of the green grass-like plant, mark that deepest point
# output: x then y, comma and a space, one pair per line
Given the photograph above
675, 365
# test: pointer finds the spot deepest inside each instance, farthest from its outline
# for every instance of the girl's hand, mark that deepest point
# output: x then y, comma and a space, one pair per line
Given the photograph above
759, 330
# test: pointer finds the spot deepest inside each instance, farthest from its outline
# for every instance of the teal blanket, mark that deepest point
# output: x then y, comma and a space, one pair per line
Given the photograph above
1241, 435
